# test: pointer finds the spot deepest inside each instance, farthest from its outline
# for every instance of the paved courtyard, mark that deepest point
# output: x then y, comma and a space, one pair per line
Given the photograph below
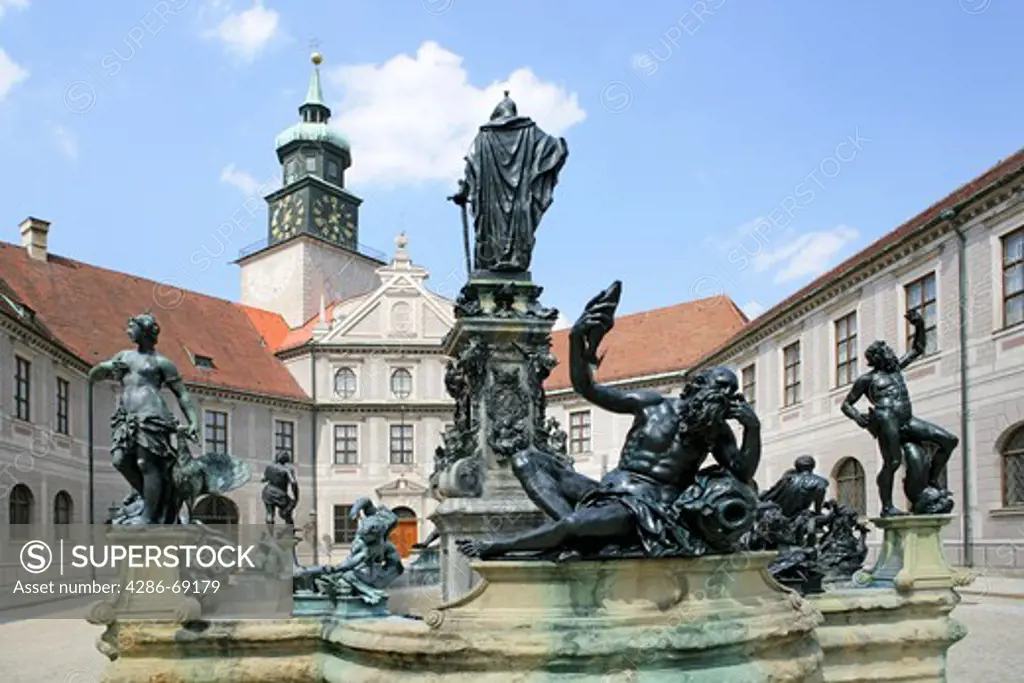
63, 650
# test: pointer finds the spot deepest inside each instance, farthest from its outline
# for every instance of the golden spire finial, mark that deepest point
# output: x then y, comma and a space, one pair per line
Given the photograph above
317, 57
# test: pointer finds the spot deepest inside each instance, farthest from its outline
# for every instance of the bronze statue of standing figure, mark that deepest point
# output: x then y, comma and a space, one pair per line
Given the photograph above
511, 172
658, 501
148, 446
280, 479
902, 436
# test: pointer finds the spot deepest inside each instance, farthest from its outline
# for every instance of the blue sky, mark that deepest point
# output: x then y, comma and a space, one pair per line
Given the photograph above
714, 146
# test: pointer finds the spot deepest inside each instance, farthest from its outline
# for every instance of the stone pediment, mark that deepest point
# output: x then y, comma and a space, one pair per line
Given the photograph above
401, 487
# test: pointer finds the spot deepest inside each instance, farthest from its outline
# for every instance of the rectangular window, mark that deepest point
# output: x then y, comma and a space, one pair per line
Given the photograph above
579, 432
63, 394
749, 380
1013, 278
921, 297
791, 374
344, 525
284, 437
346, 444
401, 444
846, 349
216, 423
311, 164
22, 389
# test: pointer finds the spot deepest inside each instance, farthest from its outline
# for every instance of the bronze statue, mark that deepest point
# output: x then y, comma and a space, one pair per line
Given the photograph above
799, 490
511, 172
280, 479
814, 537
657, 501
161, 472
901, 435
372, 565
842, 545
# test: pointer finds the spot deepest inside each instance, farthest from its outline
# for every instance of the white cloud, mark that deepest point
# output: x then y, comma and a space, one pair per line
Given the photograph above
247, 184
412, 118
10, 74
65, 141
242, 180
752, 309
13, 4
562, 322
810, 254
245, 33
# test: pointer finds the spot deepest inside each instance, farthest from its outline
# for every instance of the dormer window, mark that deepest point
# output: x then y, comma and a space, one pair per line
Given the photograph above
204, 362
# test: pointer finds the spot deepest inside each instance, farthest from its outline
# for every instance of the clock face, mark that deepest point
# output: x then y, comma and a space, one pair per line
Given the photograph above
287, 218
335, 219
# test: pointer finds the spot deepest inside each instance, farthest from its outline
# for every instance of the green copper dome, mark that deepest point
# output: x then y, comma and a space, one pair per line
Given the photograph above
315, 116
311, 132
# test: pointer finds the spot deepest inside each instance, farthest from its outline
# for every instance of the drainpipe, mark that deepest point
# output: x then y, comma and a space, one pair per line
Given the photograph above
966, 526
91, 454
313, 445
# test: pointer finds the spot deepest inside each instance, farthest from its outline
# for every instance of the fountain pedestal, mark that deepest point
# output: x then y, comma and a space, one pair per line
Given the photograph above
500, 350
704, 620
893, 623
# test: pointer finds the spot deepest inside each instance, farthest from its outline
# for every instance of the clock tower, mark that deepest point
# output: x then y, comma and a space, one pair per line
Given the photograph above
311, 255
314, 157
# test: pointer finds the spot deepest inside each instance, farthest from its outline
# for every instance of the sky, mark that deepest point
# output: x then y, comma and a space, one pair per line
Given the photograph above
716, 147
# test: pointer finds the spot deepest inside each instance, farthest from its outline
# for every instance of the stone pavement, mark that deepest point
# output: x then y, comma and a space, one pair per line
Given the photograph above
994, 586
64, 651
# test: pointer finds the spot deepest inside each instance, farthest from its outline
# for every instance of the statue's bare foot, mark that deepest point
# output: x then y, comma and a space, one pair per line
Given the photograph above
477, 548
892, 511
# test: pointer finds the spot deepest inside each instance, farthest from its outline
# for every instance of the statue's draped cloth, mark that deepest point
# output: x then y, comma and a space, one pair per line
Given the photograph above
511, 169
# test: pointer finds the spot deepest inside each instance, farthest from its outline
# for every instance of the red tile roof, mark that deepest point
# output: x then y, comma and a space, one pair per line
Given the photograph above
669, 339
1003, 170
271, 326
87, 309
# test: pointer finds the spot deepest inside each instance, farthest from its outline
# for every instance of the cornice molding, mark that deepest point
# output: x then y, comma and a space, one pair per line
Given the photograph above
35, 340
250, 397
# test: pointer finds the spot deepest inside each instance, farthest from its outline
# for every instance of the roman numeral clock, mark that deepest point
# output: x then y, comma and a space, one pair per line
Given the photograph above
334, 219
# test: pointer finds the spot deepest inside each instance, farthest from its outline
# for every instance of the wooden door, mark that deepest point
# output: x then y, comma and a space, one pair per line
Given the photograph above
404, 536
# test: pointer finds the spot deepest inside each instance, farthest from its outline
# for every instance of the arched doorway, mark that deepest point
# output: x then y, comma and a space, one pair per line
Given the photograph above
406, 532
21, 510
851, 485
63, 512
215, 509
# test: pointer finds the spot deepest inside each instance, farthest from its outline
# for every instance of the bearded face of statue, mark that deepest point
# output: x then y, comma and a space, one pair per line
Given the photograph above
707, 397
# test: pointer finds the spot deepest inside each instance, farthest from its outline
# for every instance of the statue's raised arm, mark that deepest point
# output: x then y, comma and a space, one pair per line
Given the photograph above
920, 342
594, 323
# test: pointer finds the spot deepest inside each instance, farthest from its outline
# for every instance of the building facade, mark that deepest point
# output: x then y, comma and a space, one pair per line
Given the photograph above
960, 264
333, 355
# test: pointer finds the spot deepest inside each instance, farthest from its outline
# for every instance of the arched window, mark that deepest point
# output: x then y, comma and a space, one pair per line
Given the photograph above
401, 383
215, 509
403, 512
1012, 452
62, 508
345, 383
851, 486
401, 318
20, 510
